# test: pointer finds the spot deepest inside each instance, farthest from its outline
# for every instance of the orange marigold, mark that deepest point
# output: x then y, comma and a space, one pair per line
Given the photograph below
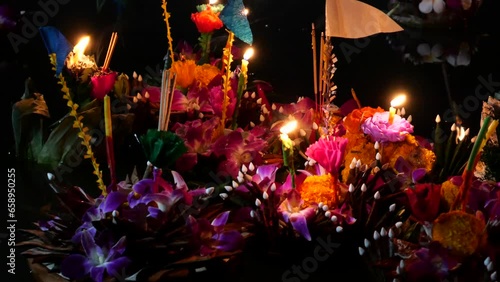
449, 192
354, 119
461, 232
185, 70
205, 73
320, 189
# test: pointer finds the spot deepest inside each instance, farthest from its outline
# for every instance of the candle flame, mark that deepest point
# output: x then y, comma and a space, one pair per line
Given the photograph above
211, 2
79, 48
248, 54
398, 101
245, 12
289, 127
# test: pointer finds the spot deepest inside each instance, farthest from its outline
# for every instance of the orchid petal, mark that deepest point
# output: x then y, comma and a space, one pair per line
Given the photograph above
113, 200
97, 273
299, 223
229, 241
418, 174
116, 266
221, 219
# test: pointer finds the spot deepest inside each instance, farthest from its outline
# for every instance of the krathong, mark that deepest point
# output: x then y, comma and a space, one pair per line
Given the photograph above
232, 179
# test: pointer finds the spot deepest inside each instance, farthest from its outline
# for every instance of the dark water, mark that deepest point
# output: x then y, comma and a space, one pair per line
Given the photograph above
374, 67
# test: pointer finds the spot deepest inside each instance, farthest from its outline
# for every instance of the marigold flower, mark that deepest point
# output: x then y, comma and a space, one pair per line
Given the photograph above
185, 70
205, 73
320, 189
207, 20
459, 231
449, 191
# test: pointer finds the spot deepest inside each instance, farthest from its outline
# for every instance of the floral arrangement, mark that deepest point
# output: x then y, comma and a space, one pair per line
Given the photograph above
230, 170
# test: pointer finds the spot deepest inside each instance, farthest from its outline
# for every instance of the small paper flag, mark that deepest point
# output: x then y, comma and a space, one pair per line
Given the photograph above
355, 19
236, 21
55, 42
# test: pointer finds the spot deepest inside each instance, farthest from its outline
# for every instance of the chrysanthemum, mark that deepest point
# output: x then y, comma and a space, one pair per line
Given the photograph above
320, 189
459, 231
449, 190
185, 71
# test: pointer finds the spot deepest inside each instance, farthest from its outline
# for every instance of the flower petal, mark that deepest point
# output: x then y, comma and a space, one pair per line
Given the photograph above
115, 267
229, 241
299, 223
97, 273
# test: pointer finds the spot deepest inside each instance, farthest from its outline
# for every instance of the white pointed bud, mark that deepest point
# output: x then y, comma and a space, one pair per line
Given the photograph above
358, 163
403, 111
302, 132
115, 213
244, 168
487, 261
391, 233
129, 107
281, 110
367, 243
228, 188
251, 167
146, 95
376, 169
398, 269
259, 101
246, 95
139, 96
377, 195
315, 126
135, 100
376, 235
265, 196
209, 190
223, 195
320, 205
252, 214
361, 251
399, 224
201, 115
351, 188
383, 232
376, 146
353, 163
328, 214
324, 207
139, 78
438, 119
363, 187
378, 156
258, 202
490, 266
493, 276
273, 187
273, 107
253, 95
392, 207
339, 229
334, 218
240, 179
235, 184
402, 264
252, 124
265, 110
262, 118
409, 119
134, 75
398, 112
50, 176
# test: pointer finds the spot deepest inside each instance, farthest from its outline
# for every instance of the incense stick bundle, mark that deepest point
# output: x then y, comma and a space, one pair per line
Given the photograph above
315, 75
111, 48
163, 98
170, 99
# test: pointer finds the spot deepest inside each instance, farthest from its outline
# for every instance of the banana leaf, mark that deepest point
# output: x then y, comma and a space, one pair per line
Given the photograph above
162, 148
28, 117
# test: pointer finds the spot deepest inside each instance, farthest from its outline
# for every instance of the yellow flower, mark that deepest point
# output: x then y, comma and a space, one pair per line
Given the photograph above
205, 73
185, 71
319, 189
449, 192
459, 231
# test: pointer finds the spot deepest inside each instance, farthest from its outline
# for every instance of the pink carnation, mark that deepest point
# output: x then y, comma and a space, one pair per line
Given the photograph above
328, 152
380, 130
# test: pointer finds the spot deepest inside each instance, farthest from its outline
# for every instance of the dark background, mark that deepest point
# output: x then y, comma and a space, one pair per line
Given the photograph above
282, 39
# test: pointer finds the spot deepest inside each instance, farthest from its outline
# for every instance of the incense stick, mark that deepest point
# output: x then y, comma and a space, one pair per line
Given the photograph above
315, 75
111, 48
171, 98
163, 98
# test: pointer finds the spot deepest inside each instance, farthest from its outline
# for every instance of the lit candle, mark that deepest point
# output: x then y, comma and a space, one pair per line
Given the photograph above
244, 65
108, 126
78, 55
287, 144
398, 101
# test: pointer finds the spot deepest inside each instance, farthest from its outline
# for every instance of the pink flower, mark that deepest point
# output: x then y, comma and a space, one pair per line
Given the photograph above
102, 84
380, 130
328, 152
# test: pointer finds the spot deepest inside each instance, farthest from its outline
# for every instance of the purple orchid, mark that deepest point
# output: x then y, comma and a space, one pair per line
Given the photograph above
292, 212
98, 261
379, 128
431, 264
212, 236
239, 148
